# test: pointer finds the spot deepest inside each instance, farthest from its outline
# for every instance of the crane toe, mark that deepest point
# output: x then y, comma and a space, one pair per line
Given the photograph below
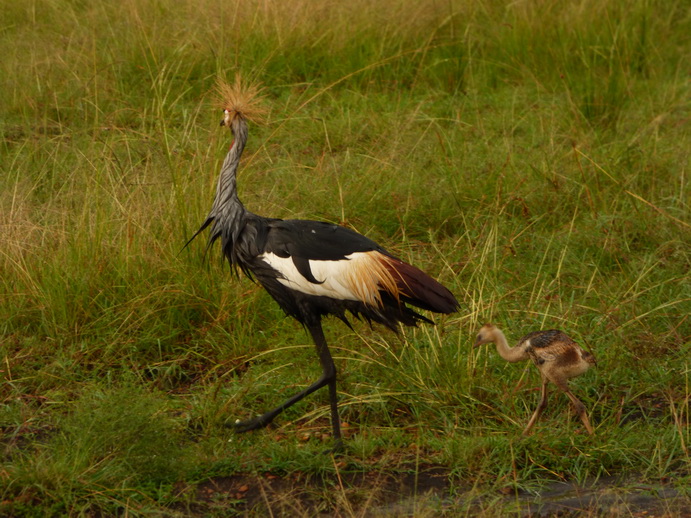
251, 424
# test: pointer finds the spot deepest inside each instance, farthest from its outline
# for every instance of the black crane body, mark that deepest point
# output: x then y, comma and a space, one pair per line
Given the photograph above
313, 268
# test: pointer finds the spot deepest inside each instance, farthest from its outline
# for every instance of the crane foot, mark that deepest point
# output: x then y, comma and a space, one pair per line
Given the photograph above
250, 424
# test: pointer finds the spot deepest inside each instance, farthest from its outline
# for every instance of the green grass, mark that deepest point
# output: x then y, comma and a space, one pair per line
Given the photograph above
532, 156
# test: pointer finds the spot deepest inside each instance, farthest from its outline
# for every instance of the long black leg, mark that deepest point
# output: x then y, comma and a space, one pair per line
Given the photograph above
328, 373
328, 377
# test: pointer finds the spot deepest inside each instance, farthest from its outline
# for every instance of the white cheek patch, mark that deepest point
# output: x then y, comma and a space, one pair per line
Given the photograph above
358, 277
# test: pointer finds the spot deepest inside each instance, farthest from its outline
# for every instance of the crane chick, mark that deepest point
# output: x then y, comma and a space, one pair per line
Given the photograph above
557, 357
311, 268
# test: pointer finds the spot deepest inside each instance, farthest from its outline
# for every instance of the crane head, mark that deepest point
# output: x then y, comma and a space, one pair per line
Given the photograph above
227, 118
486, 335
241, 100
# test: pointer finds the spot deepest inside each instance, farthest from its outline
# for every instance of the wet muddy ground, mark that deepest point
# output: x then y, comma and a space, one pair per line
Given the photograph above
431, 493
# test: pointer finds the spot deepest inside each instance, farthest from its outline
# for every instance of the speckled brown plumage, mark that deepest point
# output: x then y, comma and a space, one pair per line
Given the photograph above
547, 338
555, 354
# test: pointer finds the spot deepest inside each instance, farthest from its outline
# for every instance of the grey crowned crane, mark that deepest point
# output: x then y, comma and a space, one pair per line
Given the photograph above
311, 268
557, 357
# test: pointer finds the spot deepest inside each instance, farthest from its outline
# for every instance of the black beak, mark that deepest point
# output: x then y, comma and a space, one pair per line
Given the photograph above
223, 122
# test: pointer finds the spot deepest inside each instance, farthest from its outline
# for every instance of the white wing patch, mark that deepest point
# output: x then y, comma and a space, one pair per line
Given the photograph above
358, 277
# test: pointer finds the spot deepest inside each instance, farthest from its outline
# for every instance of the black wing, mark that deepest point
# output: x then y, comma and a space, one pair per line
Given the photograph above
316, 240
305, 240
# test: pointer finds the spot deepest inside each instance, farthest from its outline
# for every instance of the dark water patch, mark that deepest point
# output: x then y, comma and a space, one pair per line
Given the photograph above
604, 497
431, 492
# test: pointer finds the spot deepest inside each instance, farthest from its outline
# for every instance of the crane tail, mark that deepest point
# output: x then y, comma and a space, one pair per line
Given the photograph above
415, 287
379, 279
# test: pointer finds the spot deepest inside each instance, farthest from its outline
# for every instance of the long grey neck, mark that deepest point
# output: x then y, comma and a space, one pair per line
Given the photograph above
227, 215
227, 211
226, 189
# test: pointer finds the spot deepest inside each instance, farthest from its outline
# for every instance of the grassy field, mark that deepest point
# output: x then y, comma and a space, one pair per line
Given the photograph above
532, 156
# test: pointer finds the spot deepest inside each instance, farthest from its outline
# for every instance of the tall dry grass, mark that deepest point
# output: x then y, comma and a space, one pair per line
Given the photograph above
531, 155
